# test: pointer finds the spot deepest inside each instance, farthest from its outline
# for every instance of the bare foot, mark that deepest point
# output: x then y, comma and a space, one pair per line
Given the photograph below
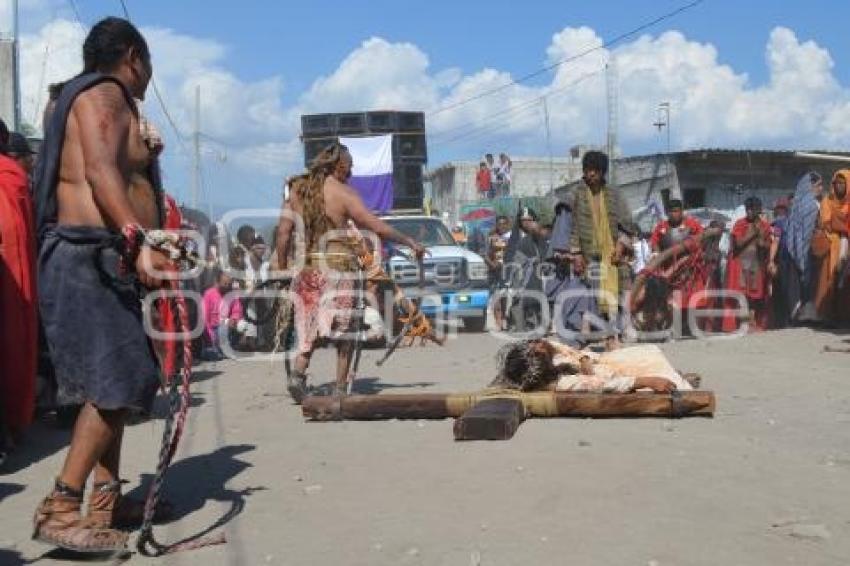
694, 379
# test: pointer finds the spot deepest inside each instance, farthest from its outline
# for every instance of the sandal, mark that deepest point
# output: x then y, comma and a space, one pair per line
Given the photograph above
57, 522
296, 384
107, 508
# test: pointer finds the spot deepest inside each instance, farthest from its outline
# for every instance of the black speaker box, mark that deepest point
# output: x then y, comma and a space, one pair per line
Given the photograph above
381, 122
312, 147
410, 147
350, 124
313, 125
410, 122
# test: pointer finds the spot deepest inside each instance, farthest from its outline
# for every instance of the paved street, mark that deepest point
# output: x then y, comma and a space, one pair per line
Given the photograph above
766, 481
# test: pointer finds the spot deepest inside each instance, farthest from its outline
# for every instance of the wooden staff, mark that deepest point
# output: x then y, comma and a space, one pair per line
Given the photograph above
536, 404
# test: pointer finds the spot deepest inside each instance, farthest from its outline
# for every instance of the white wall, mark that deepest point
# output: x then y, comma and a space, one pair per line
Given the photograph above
453, 184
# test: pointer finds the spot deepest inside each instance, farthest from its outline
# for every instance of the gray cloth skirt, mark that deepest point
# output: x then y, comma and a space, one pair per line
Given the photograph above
93, 322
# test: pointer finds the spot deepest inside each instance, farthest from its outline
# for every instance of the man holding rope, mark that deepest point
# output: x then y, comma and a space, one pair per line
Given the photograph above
92, 265
325, 285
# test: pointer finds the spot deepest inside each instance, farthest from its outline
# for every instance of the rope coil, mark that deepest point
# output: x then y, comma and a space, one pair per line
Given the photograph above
175, 423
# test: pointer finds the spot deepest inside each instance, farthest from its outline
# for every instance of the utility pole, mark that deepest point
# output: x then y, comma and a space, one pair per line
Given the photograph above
548, 143
612, 90
665, 108
196, 153
10, 91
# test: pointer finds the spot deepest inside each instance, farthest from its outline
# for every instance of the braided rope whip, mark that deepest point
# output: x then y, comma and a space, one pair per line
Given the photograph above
694, 268
179, 397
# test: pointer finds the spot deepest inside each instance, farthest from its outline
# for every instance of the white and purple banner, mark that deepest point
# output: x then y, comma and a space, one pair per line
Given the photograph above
372, 175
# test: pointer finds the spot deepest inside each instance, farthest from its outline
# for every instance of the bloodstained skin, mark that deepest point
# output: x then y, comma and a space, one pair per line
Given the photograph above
103, 128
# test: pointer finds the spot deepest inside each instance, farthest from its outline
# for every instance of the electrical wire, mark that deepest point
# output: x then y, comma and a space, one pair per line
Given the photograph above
76, 12
617, 39
181, 139
510, 109
529, 105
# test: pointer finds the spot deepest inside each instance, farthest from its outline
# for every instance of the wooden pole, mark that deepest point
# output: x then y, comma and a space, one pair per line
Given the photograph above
536, 404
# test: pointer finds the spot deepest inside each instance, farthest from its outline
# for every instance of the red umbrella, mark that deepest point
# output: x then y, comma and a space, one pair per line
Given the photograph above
478, 214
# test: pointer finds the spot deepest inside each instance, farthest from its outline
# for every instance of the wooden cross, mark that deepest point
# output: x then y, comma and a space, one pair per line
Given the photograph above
495, 414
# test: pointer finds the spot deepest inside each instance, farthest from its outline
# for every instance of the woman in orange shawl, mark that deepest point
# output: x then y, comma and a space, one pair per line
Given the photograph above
832, 296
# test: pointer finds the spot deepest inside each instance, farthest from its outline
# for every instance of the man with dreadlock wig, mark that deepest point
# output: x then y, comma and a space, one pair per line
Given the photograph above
325, 285
539, 364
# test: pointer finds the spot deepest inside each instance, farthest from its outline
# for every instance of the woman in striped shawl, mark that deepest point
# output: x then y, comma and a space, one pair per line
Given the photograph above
800, 227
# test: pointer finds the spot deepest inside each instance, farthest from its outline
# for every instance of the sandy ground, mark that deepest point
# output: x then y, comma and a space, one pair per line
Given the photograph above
765, 482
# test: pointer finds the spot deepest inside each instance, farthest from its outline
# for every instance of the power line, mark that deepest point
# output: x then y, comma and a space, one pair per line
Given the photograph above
555, 65
529, 105
493, 125
475, 124
165, 112
76, 12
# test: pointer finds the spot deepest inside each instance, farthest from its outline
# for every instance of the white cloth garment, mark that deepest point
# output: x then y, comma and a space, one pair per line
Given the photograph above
615, 372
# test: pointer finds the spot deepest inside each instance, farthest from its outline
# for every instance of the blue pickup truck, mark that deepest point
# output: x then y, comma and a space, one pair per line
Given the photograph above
454, 274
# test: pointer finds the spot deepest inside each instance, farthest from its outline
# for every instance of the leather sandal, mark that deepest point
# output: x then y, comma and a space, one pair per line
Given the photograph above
57, 522
108, 508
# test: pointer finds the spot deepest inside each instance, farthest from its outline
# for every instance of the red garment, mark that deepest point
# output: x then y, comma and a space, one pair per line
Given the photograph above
754, 284
173, 216
323, 310
18, 319
170, 349
663, 227
482, 180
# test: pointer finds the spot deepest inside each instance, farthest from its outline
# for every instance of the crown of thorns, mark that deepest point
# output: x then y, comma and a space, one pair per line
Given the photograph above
524, 365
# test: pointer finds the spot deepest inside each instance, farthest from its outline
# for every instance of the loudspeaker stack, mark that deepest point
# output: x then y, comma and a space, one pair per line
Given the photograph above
410, 149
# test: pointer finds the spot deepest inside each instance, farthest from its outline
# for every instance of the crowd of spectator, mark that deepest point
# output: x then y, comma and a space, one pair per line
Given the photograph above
764, 270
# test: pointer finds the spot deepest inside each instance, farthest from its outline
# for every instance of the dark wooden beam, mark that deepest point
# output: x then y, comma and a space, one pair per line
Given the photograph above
491, 419
537, 404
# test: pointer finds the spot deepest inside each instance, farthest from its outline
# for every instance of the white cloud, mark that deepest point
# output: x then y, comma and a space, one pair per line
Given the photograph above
377, 75
242, 114
801, 104
52, 55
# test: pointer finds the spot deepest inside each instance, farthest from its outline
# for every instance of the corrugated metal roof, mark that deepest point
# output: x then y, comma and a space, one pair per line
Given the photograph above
727, 151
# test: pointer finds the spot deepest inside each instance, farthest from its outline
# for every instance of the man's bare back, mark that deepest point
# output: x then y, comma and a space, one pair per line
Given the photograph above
342, 203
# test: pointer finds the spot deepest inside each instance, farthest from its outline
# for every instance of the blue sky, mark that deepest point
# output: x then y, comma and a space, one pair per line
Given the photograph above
290, 57
468, 34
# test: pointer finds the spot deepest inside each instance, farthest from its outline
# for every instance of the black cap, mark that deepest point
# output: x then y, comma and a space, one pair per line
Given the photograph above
18, 145
674, 203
